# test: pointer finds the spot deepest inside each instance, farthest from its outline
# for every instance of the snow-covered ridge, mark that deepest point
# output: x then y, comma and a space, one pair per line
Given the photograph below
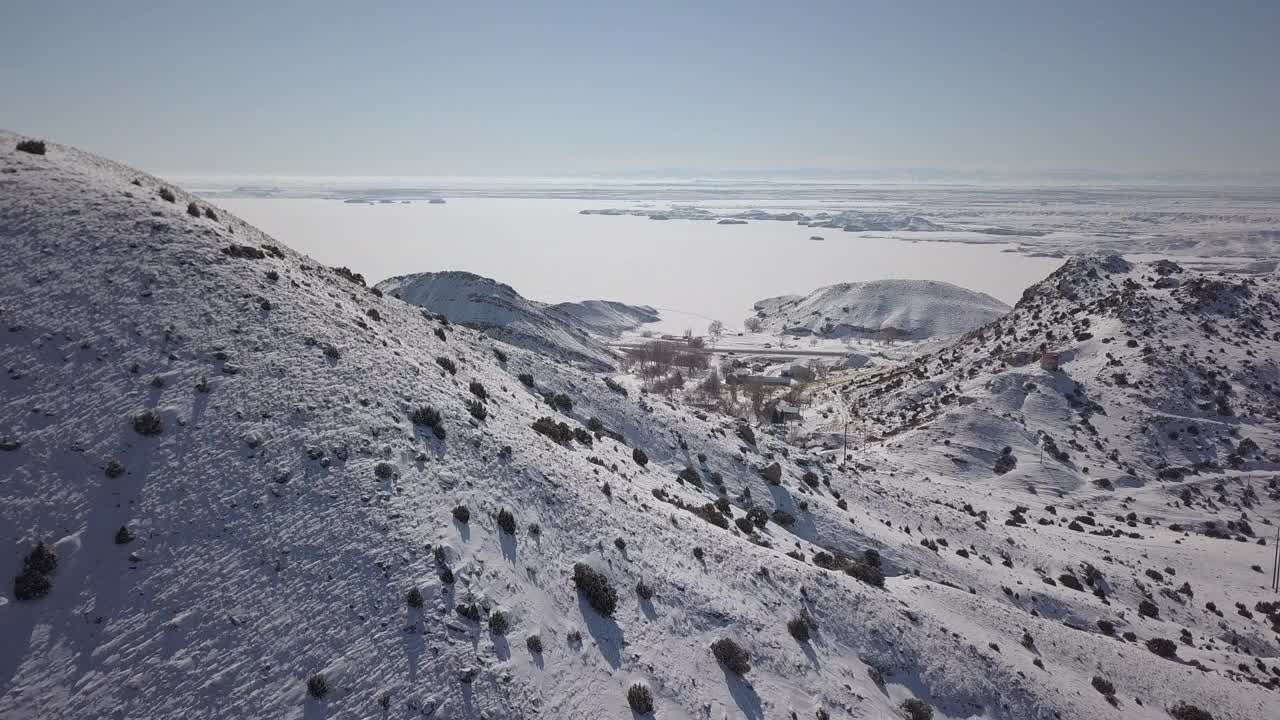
605, 318
247, 416
564, 331
891, 309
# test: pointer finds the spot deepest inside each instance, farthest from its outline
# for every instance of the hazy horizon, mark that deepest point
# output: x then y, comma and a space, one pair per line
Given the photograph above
1138, 89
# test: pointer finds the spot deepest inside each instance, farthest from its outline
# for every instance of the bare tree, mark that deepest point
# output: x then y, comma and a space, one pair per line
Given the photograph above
752, 324
714, 331
712, 385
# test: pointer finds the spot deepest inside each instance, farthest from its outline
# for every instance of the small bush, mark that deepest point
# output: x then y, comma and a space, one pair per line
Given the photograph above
799, 628
414, 598
1005, 463
447, 364
34, 581
42, 559
446, 575
1146, 608
582, 436
690, 476
594, 424
114, 468
478, 390
31, 586
1163, 647
868, 574
643, 590
1183, 711
596, 587
167, 195
148, 423
462, 514
525, 379
744, 524
468, 611
440, 334
1107, 627
317, 686
209, 213
916, 709
557, 431
499, 624
124, 535
1103, 685
507, 521
783, 518
35, 147
640, 457
477, 410
560, 402
501, 356
193, 209
426, 415
731, 656
534, 643
640, 699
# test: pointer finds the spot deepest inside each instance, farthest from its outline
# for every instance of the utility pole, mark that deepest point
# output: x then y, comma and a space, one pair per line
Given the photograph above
1275, 570
846, 441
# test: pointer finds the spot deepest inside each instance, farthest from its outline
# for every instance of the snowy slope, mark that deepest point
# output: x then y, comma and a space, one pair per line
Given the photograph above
285, 503
563, 331
903, 309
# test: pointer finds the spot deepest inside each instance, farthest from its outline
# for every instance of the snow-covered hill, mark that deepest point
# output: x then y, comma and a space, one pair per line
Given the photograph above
897, 309
604, 317
563, 331
245, 463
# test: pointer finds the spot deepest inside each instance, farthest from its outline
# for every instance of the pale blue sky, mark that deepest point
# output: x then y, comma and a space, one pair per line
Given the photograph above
525, 87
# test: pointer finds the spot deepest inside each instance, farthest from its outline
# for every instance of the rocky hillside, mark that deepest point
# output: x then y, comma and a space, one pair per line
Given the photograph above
1108, 453
568, 331
234, 482
889, 309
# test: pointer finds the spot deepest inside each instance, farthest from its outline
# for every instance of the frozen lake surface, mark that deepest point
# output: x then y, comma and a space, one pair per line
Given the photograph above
691, 271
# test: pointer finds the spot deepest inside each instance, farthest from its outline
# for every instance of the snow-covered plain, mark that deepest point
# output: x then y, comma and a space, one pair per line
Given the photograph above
280, 503
692, 272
